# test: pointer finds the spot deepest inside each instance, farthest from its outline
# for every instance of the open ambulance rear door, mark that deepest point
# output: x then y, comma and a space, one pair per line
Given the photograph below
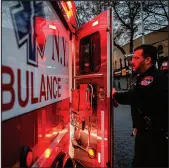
93, 72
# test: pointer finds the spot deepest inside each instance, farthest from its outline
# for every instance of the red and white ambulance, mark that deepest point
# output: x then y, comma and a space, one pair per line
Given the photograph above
56, 86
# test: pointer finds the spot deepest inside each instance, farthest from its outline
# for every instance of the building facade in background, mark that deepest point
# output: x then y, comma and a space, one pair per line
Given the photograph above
121, 67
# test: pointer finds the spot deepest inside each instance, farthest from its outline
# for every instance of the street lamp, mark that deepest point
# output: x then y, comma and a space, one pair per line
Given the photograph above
142, 22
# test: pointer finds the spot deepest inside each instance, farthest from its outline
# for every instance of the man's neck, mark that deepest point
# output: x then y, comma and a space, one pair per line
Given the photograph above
146, 68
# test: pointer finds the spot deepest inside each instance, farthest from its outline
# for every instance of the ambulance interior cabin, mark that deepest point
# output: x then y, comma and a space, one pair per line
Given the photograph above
84, 95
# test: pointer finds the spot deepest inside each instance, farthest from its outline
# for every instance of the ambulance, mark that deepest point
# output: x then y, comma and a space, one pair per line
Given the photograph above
56, 105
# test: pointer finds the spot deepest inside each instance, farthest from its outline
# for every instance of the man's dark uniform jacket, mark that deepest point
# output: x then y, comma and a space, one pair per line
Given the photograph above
149, 97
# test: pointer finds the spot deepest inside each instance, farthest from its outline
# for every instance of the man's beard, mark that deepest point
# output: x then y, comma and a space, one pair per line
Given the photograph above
141, 68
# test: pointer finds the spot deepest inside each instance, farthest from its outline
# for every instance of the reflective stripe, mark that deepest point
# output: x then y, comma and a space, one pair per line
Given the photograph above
102, 140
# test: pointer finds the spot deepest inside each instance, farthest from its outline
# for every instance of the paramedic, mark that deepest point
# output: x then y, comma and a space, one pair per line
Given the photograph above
150, 98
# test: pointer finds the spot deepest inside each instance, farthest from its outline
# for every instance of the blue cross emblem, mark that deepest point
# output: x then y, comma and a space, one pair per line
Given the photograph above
23, 17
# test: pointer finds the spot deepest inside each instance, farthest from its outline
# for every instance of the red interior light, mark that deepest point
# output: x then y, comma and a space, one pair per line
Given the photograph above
69, 4
47, 153
91, 153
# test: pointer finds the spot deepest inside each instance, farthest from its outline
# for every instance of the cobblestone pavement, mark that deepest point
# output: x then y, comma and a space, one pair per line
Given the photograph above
124, 142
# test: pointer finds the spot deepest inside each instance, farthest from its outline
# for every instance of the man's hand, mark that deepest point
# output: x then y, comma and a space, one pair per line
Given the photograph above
134, 131
113, 91
115, 104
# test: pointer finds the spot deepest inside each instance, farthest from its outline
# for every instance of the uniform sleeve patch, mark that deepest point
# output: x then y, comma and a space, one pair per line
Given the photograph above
147, 80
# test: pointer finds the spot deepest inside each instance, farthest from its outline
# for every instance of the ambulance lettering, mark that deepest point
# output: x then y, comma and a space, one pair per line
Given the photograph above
49, 88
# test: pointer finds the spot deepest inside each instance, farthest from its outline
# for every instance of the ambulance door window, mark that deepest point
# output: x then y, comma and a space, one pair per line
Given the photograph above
96, 54
90, 59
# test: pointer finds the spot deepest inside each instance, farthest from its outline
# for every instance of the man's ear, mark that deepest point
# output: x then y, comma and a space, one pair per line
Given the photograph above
148, 60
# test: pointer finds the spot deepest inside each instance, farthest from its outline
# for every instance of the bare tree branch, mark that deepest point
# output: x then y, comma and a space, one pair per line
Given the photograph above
120, 48
166, 14
121, 20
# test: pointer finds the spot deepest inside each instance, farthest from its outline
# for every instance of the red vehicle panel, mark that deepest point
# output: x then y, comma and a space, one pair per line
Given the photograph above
56, 83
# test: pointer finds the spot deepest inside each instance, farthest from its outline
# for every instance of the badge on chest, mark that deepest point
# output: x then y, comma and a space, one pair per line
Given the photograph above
146, 81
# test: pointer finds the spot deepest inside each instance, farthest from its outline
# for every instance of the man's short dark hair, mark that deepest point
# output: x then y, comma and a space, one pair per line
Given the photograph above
148, 51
